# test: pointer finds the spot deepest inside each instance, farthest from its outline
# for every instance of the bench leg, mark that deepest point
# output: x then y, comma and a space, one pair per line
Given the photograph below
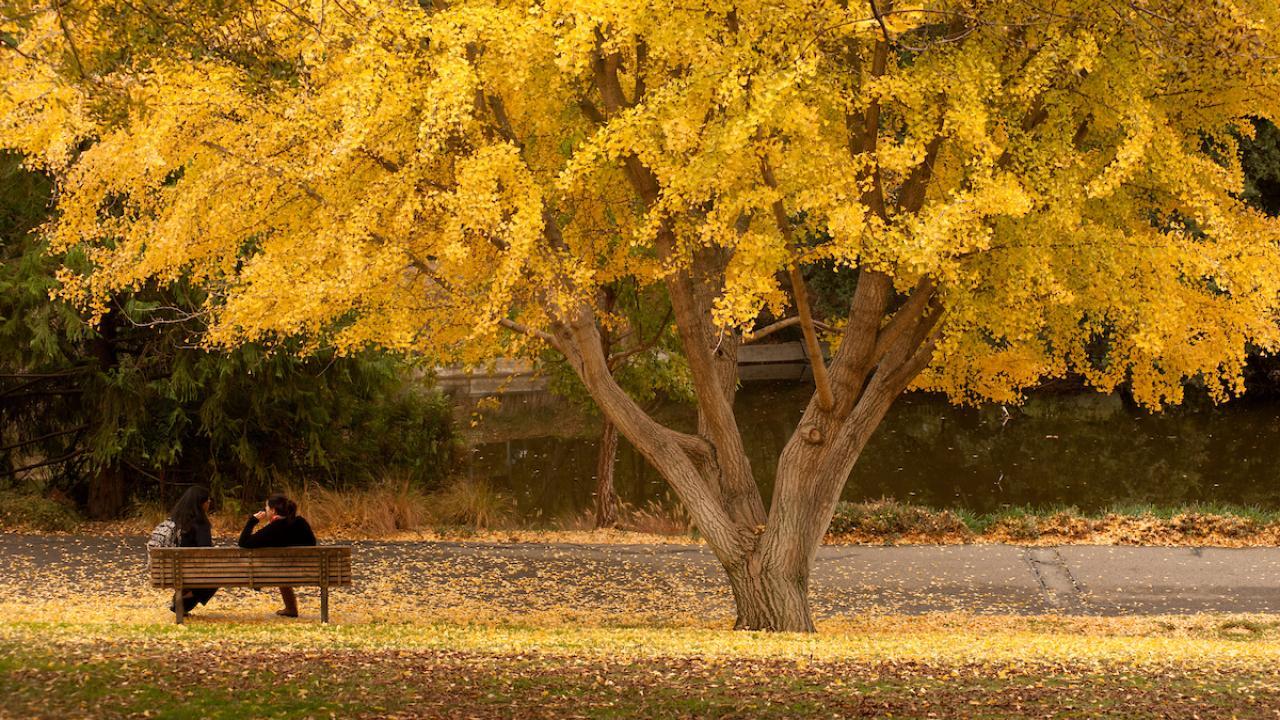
324, 603
179, 608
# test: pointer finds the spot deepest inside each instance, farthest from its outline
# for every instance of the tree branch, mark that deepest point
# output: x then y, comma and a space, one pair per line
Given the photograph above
864, 135
71, 43
42, 438
761, 333
852, 361
905, 319
911, 198
800, 295
644, 345
306, 188
46, 463
526, 330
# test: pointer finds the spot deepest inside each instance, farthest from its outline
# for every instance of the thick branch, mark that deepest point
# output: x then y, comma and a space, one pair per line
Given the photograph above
905, 319
871, 299
864, 138
800, 295
713, 378
911, 199
605, 68
676, 455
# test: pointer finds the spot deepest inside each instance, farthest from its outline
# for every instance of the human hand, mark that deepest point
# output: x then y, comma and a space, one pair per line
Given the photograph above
260, 515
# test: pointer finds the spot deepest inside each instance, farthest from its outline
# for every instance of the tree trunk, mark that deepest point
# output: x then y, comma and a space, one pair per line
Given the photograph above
106, 493
771, 584
606, 498
767, 558
769, 597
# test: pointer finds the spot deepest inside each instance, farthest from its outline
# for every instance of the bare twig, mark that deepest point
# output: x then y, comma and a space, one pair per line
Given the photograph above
767, 330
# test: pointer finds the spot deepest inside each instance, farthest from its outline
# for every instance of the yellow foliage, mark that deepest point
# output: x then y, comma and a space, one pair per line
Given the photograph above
412, 176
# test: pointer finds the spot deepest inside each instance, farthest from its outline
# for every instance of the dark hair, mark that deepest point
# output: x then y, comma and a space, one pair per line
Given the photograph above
188, 512
283, 506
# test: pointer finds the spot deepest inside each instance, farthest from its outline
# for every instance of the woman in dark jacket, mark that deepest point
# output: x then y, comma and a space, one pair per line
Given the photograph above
191, 517
283, 528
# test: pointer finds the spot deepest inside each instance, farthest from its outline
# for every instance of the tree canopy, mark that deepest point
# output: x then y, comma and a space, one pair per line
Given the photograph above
135, 406
308, 157
1022, 190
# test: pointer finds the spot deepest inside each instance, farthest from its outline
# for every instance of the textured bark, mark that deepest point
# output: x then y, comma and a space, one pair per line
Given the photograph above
106, 498
606, 498
769, 597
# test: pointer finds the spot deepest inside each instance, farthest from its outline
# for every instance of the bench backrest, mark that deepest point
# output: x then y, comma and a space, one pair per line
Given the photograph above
205, 567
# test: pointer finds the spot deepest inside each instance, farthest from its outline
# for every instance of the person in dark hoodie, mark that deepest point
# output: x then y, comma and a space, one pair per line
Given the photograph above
282, 527
190, 516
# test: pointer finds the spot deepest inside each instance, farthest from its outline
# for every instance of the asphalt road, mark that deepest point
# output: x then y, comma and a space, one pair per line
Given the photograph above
672, 581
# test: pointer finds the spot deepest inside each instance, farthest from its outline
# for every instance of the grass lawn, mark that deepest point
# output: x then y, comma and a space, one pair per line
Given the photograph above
957, 666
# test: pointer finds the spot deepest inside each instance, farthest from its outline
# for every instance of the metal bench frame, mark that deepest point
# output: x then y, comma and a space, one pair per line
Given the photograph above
190, 568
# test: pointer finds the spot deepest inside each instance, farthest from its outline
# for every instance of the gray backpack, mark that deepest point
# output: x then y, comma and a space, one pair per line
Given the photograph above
164, 535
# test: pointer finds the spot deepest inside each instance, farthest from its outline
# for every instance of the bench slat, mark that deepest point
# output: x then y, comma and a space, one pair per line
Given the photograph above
170, 581
301, 577
233, 552
246, 583
277, 578
256, 566
280, 572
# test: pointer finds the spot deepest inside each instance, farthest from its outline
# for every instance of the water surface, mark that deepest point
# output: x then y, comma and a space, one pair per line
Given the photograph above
1089, 450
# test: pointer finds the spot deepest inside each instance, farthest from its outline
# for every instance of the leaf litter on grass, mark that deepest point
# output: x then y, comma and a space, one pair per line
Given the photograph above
580, 634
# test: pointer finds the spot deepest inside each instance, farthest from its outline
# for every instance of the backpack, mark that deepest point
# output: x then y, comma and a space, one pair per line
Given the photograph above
164, 535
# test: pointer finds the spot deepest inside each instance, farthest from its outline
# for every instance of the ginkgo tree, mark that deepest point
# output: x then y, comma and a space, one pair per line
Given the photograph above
1022, 190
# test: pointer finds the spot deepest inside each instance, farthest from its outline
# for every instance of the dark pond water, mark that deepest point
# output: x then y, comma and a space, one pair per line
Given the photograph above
1091, 451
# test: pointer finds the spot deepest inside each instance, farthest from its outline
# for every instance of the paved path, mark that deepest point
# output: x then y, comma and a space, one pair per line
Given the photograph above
672, 581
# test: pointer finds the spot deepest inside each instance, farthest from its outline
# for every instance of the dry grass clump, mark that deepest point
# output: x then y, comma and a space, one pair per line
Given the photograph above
390, 507
888, 519
393, 505
397, 505
655, 518
148, 513
1190, 527
474, 503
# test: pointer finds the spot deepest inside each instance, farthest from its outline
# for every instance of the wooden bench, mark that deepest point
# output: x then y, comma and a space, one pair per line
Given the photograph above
216, 567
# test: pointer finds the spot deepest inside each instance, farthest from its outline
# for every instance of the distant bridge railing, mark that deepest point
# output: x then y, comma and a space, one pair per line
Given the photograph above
777, 361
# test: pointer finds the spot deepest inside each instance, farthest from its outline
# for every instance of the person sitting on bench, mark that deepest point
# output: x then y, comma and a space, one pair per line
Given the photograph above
283, 528
190, 518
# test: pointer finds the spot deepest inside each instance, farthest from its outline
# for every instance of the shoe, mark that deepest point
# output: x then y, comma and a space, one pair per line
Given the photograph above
287, 613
